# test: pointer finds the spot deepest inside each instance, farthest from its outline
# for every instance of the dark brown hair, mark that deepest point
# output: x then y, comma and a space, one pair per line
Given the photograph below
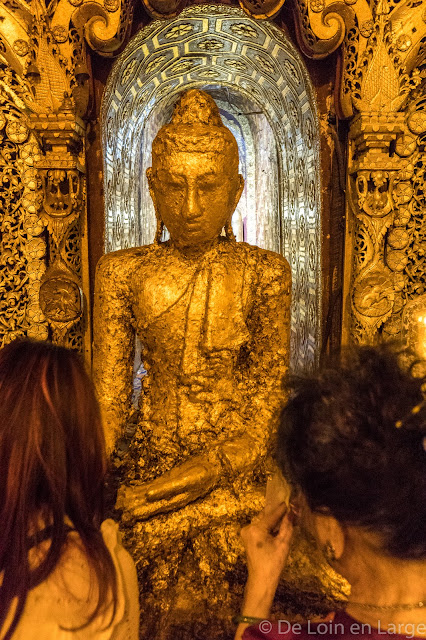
350, 440
52, 465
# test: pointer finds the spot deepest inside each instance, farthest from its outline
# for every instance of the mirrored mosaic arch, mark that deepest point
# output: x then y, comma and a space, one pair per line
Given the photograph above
263, 90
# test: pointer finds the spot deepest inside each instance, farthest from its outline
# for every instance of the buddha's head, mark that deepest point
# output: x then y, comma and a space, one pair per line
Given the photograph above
194, 181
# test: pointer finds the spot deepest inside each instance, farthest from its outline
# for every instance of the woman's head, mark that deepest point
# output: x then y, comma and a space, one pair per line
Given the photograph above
52, 465
342, 442
51, 441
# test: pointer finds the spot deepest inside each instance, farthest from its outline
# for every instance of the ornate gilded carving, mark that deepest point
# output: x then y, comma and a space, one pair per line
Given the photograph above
410, 213
380, 75
388, 232
61, 297
374, 90
22, 242
105, 24
61, 196
373, 35
21, 47
60, 170
50, 86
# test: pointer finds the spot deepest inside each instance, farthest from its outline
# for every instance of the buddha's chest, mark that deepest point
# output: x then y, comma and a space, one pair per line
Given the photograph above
164, 294
180, 304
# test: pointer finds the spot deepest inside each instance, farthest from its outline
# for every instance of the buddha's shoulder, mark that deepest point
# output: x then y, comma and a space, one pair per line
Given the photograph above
126, 261
263, 258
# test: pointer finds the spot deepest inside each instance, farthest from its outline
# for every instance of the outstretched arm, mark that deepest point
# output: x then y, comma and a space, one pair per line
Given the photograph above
113, 346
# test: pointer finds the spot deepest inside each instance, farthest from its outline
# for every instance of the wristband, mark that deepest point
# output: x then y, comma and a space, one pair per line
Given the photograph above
246, 620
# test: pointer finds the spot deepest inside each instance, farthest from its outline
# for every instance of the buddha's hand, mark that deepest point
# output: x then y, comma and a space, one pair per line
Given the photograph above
173, 490
207, 388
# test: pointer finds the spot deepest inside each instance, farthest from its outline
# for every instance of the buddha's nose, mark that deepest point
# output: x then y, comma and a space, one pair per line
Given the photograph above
191, 207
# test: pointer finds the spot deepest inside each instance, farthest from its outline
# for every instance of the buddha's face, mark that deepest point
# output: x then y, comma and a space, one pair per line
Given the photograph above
195, 194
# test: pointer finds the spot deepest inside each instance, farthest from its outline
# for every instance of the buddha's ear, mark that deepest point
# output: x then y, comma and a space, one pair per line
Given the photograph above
239, 190
150, 178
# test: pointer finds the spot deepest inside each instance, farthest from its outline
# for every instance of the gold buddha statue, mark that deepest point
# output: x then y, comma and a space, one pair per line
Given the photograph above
213, 318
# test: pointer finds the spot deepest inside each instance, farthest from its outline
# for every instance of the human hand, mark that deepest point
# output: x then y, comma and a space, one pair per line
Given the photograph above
267, 542
173, 490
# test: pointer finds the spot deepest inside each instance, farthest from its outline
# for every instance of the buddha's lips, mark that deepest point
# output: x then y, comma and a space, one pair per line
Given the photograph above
193, 226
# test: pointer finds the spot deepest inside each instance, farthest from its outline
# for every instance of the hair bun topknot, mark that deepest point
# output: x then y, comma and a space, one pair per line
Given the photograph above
196, 107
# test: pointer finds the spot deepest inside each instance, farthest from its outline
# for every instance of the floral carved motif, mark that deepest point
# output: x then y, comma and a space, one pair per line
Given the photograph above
22, 242
61, 298
42, 98
388, 228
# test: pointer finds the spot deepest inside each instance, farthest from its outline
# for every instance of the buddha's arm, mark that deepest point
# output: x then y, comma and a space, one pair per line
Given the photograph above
269, 324
113, 346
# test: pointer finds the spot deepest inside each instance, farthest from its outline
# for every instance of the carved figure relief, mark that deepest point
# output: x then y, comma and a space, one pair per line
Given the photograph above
63, 202
62, 198
61, 298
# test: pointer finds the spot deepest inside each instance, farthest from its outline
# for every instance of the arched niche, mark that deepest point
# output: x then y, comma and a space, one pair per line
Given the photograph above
266, 98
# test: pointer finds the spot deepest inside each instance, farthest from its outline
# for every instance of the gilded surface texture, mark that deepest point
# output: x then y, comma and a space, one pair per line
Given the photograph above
45, 77
386, 169
212, 316
104, 23
22, 238
250, 65
356, 26
213, 319
247, 66
63, 201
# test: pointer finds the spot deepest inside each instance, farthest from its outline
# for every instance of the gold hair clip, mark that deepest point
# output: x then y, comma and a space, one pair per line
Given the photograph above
416, 409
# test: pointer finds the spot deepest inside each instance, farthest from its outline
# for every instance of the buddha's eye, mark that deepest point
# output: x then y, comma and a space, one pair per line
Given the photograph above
169, 180
173, 184
208, 182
